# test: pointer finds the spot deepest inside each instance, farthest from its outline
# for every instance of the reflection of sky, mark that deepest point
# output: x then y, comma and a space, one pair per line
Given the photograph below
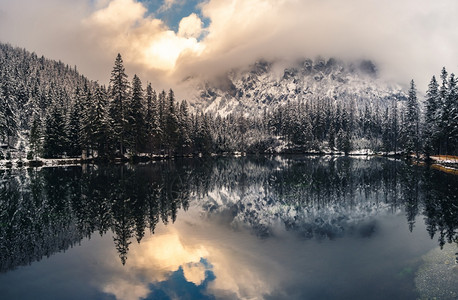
204, 258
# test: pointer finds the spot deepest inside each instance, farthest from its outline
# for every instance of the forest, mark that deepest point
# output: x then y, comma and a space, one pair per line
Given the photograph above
49, 110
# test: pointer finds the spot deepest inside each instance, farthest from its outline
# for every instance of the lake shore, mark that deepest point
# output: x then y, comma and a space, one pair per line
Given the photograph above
444, 163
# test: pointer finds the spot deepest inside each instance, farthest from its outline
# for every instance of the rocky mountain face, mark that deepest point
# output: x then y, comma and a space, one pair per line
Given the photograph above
268, 84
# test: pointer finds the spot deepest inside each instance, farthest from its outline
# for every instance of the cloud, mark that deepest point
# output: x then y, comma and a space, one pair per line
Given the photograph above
122, 26
151, 262
168, 4
190, 26
407, 39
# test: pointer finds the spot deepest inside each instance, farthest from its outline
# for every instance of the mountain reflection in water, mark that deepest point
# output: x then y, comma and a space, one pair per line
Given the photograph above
223, 202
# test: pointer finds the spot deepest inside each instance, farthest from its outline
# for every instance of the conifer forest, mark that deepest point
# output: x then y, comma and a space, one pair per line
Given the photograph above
60, 113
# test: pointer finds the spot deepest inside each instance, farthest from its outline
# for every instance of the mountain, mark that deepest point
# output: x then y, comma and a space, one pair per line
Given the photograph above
269, 107
267, 84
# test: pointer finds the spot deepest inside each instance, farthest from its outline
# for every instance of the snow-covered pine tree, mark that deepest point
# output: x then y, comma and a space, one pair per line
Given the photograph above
101, 134
184, 122
87, 121
54, 138
171, 123
449, 116
430, 136
8, 107
136, 119
153, 129
119, 96
35, 137
412, 122
74, 125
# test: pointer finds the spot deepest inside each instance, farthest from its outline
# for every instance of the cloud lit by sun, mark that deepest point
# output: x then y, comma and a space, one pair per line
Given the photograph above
144, 40
164, 51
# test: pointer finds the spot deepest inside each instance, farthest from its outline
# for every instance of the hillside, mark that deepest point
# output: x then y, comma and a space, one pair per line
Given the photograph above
269, 107
269, 84
28, 85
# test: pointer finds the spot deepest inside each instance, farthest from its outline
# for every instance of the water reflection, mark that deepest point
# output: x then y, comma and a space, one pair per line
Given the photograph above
52, 209
228, 200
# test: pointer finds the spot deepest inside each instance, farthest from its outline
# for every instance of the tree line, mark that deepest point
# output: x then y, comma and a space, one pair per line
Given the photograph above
63, 114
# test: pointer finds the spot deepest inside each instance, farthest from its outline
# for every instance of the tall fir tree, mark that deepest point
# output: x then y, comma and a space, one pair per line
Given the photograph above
54, 139
430, 127
101, 127
136, 118
171, 123
87, 122
74, 125
119, 97
35, 137
8, 106
412, 122
153, 129
184, 124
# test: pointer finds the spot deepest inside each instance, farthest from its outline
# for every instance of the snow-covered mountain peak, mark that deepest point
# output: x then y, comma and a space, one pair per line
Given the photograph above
266, 84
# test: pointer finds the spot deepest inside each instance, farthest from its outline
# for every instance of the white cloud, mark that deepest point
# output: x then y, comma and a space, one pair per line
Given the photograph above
167, 5
123, 27
409, 39
190, 26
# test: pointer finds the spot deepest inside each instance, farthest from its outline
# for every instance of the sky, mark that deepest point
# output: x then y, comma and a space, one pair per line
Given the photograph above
166, 42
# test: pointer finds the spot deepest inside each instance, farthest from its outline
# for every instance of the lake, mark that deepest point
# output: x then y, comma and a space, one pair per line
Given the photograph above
287, 227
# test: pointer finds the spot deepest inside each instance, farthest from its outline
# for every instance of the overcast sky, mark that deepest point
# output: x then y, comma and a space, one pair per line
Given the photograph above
166, 41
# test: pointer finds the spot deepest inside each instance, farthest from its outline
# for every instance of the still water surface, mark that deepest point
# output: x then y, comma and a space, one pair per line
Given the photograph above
230, 228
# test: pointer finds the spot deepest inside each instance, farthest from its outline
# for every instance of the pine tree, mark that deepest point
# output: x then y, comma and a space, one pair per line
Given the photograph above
412, 119
101, 127
449, 116
119, 96
74, 126
35, 137
8, 107
136, 119
87, 121
54, 135
153, 129
343, 141
431, 115
394, 126
184, 123
386, 141
171, 123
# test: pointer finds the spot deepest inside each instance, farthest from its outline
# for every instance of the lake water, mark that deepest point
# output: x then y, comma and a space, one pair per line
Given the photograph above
230, 228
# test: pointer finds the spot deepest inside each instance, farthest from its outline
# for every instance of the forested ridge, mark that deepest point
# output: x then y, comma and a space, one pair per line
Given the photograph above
49, 110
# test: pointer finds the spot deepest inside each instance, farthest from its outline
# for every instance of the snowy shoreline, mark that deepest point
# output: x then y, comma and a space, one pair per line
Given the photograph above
449, 164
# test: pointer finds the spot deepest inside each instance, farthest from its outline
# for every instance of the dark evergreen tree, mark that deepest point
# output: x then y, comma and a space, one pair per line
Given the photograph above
74, 126
136, 119
8, 107
171, 131
35, 137
152, 120
184, 124
119, 98
412, 122
54, 136
87, 122
102, 133
430, 136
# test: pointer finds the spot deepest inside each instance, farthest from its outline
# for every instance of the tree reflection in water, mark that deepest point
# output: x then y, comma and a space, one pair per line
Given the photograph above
49, 210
